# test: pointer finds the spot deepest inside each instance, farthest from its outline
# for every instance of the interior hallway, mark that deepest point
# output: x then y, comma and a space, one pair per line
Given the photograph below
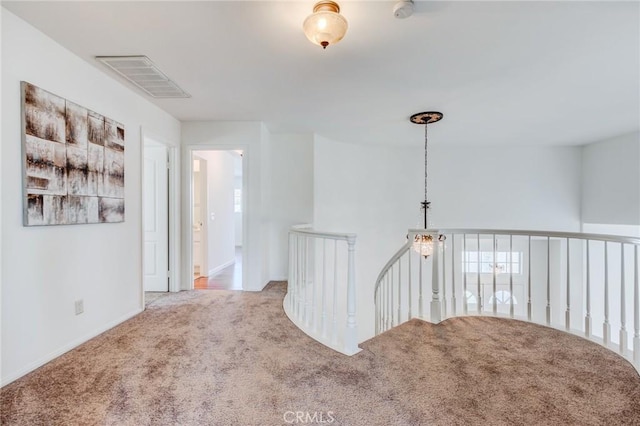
230, 278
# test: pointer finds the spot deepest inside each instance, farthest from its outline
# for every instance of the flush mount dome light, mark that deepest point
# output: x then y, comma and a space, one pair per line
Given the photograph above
325, 25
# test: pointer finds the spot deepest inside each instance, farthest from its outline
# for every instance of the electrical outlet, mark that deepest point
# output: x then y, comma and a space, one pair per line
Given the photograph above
79, 306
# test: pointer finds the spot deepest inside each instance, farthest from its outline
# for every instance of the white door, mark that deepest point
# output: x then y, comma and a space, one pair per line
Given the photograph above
156, 219
200, 225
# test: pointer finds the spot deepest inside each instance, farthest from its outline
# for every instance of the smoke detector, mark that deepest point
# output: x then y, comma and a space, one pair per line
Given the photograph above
403, 9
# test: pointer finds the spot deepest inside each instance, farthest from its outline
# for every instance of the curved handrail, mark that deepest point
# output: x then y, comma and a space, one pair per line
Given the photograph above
405, 247
307, 230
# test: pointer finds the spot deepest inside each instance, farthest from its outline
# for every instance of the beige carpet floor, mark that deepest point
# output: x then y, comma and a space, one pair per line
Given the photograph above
233, 358
150, 297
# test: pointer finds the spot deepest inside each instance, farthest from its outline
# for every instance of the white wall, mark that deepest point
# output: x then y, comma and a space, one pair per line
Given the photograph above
266, 188
376, 191
247, 136
611, 181
506, 187
45, 269
220, 216
291, 198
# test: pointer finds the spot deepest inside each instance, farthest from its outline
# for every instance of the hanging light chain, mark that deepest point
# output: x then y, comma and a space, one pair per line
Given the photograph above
426, 200
426, 118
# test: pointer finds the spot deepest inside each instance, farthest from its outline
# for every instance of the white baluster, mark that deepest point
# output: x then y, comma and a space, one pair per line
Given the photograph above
292, 274
376, 303
409, 273
567, 314
298, 284
479, 284
465, 268
383, 307
420, 298
391, 306
529, 282
390, 300
307, 293
587, 318
324, 287
548, 280
313, 321
453, 274
623, 304
444, 281
334, 311
436, 315
636, 308
495, 275
606, 333
400, 289
385, 304
511, 307
351, 336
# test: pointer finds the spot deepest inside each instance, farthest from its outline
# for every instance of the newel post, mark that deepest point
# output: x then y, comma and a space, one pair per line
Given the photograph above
436, 306
351, 335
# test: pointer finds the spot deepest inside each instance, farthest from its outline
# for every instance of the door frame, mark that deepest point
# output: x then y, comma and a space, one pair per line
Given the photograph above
174, 211
187, 165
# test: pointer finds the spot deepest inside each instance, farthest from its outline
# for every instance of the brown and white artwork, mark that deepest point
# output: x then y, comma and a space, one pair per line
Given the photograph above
73, 162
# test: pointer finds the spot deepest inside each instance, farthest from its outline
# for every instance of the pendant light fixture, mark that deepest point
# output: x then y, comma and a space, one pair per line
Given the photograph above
325, 25
423, 243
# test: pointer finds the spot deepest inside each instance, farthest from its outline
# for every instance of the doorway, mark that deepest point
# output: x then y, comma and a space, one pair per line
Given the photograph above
217, 219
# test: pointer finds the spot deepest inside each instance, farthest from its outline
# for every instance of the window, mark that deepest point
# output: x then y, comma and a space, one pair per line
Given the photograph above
471, 298
237, 200
504, 263
503, 297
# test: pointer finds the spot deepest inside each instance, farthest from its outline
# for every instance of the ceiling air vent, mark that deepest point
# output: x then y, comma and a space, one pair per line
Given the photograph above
145, 74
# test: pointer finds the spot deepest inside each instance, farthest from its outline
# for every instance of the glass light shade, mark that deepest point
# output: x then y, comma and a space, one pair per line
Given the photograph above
324, 26
423, 244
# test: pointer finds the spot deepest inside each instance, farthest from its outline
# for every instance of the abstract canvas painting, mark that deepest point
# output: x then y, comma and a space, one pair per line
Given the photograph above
73, 168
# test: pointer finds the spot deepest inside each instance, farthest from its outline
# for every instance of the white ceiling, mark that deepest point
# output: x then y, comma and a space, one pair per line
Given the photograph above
520, 73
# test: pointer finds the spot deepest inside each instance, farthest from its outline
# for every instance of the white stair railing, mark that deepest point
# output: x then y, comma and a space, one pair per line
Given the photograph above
570, 281
321, 292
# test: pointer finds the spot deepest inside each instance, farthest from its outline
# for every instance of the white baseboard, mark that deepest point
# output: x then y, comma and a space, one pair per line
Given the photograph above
221, 267
66, 348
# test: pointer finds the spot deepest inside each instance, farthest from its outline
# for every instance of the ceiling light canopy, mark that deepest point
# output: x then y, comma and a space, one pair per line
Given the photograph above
325, 25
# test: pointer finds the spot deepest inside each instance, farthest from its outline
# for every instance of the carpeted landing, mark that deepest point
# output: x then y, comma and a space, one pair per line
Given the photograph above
233, 358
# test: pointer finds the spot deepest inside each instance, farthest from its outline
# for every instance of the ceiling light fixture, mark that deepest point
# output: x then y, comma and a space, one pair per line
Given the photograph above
325, 25
423, 243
